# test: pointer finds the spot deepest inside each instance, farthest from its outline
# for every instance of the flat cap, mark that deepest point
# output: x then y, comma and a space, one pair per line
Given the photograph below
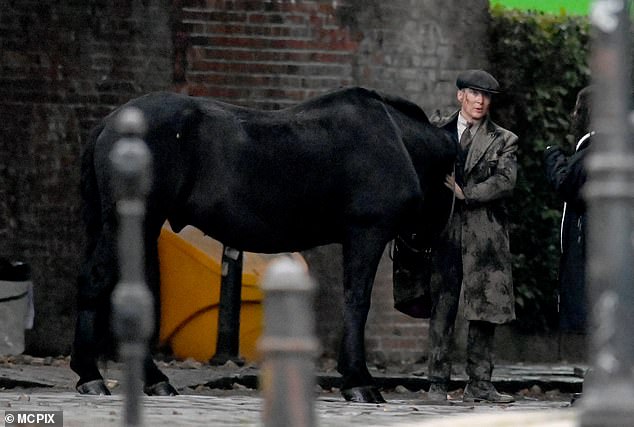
479, 80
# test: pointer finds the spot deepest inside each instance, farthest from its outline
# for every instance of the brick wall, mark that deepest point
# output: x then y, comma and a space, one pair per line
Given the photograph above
66, 64
272, 54
268, 54
63, 66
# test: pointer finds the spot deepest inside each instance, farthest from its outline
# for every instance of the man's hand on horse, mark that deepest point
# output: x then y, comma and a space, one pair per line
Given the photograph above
450, 183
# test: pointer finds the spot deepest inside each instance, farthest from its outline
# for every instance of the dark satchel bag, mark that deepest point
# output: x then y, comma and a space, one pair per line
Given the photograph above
412, 269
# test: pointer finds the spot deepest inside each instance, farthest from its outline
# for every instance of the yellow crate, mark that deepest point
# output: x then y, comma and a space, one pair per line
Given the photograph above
190, 295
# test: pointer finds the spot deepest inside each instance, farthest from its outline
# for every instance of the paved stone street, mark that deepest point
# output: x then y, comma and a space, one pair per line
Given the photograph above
244, 410
226, 396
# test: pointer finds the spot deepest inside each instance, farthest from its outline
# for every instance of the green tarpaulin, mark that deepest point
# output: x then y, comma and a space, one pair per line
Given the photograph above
569, 7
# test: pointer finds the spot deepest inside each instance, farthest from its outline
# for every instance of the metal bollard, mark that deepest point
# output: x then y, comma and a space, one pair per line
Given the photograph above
608, 398
288, 345
132, 302
228, 342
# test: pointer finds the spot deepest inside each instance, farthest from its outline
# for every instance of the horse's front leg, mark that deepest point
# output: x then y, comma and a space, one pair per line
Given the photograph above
361, 255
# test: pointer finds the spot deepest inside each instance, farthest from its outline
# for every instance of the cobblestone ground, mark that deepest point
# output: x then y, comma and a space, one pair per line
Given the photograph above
212, 396
245, 410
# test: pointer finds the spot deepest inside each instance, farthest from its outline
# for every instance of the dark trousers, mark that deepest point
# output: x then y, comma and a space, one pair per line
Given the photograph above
445, 294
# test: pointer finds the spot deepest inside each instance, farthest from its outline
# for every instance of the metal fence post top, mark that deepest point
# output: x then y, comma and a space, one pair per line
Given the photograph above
130, 121
287, 274
130, 155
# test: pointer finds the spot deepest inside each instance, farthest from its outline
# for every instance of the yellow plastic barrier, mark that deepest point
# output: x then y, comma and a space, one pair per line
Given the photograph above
190, 265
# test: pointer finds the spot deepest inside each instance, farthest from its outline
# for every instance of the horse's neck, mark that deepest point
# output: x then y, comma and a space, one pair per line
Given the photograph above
420, 153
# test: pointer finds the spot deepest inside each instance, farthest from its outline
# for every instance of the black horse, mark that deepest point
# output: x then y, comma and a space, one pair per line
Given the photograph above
354, 167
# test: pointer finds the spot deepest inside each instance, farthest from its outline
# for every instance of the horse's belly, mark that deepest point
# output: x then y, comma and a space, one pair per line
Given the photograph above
283, 229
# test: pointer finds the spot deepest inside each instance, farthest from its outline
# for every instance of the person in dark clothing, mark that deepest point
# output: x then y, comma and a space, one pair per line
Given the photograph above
567, 175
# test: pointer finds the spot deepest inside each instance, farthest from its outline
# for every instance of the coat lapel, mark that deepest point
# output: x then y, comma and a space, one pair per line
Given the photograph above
481, 142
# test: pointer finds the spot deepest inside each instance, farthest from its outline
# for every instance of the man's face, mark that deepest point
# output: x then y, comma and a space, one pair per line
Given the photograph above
474, 104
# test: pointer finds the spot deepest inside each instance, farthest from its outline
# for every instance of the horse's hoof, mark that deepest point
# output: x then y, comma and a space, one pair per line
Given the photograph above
160, 389
94, 387
363, 394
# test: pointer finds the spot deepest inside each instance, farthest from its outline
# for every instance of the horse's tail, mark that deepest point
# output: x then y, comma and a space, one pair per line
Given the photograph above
89, 193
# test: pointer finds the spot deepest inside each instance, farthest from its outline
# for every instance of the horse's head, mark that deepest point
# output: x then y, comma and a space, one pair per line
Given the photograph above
433, 153
432, 149
442, 152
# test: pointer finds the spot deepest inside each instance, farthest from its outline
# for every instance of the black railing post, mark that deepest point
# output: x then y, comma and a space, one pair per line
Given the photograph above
228, 341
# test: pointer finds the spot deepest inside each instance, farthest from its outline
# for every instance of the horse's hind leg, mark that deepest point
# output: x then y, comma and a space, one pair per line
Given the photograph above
92, 331
156, 382
362, 253
85, 354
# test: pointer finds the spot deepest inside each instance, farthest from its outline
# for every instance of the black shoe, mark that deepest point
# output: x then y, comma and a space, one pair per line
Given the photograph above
484, 391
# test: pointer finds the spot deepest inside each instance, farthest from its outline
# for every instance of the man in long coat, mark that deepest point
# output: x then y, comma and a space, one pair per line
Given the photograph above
473, 261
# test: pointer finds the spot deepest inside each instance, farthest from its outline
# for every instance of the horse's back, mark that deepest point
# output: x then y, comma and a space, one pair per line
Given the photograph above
309, 170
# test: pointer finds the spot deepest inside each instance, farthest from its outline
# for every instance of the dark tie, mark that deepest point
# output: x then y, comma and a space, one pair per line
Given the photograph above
465, 138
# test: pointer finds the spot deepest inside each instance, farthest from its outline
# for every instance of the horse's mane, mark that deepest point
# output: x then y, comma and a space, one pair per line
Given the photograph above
402, 105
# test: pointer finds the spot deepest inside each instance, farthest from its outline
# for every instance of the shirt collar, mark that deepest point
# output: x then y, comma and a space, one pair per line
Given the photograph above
462, 124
